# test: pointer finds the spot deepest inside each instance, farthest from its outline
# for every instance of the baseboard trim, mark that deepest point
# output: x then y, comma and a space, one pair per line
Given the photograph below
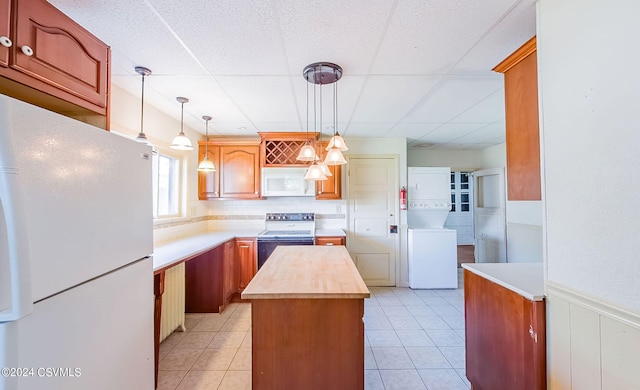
623, 315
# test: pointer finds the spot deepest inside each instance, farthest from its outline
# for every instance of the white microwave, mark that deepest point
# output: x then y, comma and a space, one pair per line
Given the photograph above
286, 182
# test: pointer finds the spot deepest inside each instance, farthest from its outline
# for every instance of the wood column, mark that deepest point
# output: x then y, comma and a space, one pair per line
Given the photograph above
158, 290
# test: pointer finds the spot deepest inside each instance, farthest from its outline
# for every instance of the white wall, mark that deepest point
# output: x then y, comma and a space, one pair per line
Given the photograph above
160, 130
591, 139
457, 160
590, 99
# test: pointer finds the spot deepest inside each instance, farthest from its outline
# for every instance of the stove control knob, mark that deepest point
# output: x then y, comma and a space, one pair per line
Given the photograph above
284, 218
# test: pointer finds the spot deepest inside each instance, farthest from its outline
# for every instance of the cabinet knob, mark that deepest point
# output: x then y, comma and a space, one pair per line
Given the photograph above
319, 192
27, 51
5, 41
256, 192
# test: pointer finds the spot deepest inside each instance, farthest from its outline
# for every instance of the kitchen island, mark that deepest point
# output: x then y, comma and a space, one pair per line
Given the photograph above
307, 304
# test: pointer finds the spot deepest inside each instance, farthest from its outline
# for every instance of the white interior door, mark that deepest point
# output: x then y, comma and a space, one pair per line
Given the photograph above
372, 188
489, 220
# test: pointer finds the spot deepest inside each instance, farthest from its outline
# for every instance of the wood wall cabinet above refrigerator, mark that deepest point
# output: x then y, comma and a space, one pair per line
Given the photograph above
237, 174
53, 62
522, 133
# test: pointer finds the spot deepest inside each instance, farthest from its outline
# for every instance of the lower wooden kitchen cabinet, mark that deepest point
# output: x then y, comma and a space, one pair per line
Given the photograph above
229, 273
330, 240
246, 261
203, 282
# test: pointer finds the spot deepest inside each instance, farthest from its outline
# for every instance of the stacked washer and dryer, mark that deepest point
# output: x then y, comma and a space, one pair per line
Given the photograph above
432, 249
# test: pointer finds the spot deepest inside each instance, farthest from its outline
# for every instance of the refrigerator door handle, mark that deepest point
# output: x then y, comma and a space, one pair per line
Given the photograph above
15, 272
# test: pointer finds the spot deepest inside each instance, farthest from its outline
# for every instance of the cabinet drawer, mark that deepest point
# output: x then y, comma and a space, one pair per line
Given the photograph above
330, 240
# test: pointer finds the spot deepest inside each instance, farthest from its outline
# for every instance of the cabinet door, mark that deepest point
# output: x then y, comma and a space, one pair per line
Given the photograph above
65, 57
5, 30
209, 182
230, 285
332, 187
330, 241
246, 261
203, 282
239, 172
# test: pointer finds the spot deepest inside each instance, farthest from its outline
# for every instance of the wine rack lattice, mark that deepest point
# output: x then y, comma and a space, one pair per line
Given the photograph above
278, 152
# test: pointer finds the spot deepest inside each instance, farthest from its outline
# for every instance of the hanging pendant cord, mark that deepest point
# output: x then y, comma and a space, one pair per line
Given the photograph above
142, 107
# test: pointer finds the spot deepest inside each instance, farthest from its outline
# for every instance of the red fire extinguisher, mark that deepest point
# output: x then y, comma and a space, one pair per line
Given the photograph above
403, 198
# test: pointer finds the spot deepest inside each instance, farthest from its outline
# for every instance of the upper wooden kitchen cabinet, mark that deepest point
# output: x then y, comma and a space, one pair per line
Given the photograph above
237, 173
280, 149
209, 182
246, 261
522, 133
332, 187
53, 62
5, 28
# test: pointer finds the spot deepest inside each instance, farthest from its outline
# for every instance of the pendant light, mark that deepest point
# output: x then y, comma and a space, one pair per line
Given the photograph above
142, 137
181, 142
206, 165
308, 152
336, 144
336, 141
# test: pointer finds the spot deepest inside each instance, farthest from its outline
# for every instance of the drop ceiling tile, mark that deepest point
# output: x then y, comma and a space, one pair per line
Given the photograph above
489, 109
343, 32
280, 126
390, 98
229, 37
136, 35
483, 134
349, 89
453, 96
412, 130
430, 37
262, 99
516, 28
449, 132
377, 129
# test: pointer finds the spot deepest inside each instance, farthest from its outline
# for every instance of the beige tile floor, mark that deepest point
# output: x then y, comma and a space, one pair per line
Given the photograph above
414, 340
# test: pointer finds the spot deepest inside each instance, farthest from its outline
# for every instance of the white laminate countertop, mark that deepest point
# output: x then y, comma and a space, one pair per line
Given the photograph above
525, 279
174, 252
330, 233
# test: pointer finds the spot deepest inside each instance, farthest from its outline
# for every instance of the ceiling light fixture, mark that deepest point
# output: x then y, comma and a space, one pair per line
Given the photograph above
206, 165
142, 137
181, 142
319, 74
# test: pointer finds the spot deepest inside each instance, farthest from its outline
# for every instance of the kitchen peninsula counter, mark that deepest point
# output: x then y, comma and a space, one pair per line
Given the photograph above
169, 254
307, 304
505, 326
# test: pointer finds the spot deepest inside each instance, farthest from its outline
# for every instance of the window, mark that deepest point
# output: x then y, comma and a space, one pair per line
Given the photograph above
166, 186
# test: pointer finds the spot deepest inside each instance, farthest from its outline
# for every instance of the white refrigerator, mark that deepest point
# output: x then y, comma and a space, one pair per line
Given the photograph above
432, 250
76, 277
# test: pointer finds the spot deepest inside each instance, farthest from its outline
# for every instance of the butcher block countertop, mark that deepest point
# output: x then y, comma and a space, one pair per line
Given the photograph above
307, 272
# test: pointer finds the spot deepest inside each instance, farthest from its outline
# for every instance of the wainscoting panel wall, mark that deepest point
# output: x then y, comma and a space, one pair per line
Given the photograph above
590, 344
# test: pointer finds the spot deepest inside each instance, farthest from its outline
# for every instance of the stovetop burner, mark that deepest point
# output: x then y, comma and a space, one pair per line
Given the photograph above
288, 225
